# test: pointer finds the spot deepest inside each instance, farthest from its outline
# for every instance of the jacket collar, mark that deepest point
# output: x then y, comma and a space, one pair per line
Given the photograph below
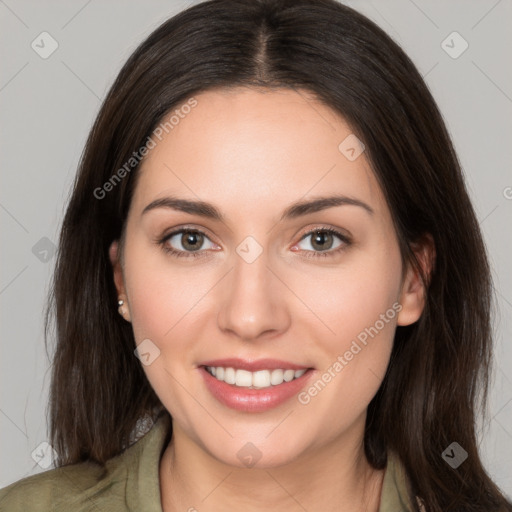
394, 495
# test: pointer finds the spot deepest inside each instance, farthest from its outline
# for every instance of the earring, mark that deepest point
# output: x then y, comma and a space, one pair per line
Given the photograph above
121, 308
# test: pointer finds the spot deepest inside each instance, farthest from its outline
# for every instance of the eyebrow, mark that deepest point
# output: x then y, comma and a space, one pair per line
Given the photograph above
297, 209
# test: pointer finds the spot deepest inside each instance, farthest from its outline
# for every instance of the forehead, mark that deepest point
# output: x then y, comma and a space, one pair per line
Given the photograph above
246, 148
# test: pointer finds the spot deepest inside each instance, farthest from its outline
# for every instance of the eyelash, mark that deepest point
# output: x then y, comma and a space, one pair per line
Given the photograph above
310, 254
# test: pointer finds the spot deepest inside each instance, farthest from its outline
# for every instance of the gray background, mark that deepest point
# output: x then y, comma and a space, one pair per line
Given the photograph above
48, 106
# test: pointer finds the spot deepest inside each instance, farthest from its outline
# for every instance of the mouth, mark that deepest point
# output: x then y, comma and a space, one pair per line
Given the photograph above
254, 386
260, 379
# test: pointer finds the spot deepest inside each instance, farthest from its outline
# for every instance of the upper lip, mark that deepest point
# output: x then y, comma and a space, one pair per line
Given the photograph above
255, 365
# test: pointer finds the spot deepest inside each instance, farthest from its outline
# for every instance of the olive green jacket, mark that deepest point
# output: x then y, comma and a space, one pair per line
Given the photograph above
130, 482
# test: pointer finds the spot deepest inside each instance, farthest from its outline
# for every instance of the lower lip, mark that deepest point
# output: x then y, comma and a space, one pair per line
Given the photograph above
253, 400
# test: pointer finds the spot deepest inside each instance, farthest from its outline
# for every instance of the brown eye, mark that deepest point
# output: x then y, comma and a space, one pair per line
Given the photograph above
191, 240
321, 240
186, 242
323, 243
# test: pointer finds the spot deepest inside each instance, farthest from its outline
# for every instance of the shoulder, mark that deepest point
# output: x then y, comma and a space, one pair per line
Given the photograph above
128, 478
81, 487
52, 489
396, 489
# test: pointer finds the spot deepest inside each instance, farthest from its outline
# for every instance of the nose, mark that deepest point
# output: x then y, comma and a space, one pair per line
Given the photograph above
253, 302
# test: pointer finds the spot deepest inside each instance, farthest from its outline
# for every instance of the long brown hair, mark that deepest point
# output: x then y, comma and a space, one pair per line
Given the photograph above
440, 366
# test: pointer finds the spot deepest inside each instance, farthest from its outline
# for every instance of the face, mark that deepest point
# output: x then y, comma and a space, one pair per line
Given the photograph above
263, 286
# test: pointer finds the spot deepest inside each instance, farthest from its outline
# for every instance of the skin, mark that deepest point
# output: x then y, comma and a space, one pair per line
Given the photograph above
252, 153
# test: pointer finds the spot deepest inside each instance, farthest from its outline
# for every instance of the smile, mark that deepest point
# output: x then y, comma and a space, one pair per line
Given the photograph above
254, 386
254, 380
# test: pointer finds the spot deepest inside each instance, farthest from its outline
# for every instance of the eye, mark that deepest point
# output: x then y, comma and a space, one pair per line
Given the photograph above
186, 243
323, 242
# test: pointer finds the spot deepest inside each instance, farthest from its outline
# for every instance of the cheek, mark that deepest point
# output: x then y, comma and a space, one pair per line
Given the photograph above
159, 298
357, 305
170, 304
352, 296
165, 306
163, 293
339, 314
167, 299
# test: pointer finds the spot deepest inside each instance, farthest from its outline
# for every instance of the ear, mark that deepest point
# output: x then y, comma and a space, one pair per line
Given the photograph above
113, 253
414, 292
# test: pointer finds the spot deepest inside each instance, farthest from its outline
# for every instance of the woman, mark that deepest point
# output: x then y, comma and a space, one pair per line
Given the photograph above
270, 257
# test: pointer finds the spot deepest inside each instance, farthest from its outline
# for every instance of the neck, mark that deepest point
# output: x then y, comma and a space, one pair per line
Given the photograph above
335, 477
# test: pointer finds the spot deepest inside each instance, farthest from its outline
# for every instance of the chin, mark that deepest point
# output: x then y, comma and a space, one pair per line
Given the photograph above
256, 452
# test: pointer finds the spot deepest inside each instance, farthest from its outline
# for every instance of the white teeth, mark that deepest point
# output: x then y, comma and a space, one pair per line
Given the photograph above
229, 376
243, 378
289, 375
277, 377
259, 379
